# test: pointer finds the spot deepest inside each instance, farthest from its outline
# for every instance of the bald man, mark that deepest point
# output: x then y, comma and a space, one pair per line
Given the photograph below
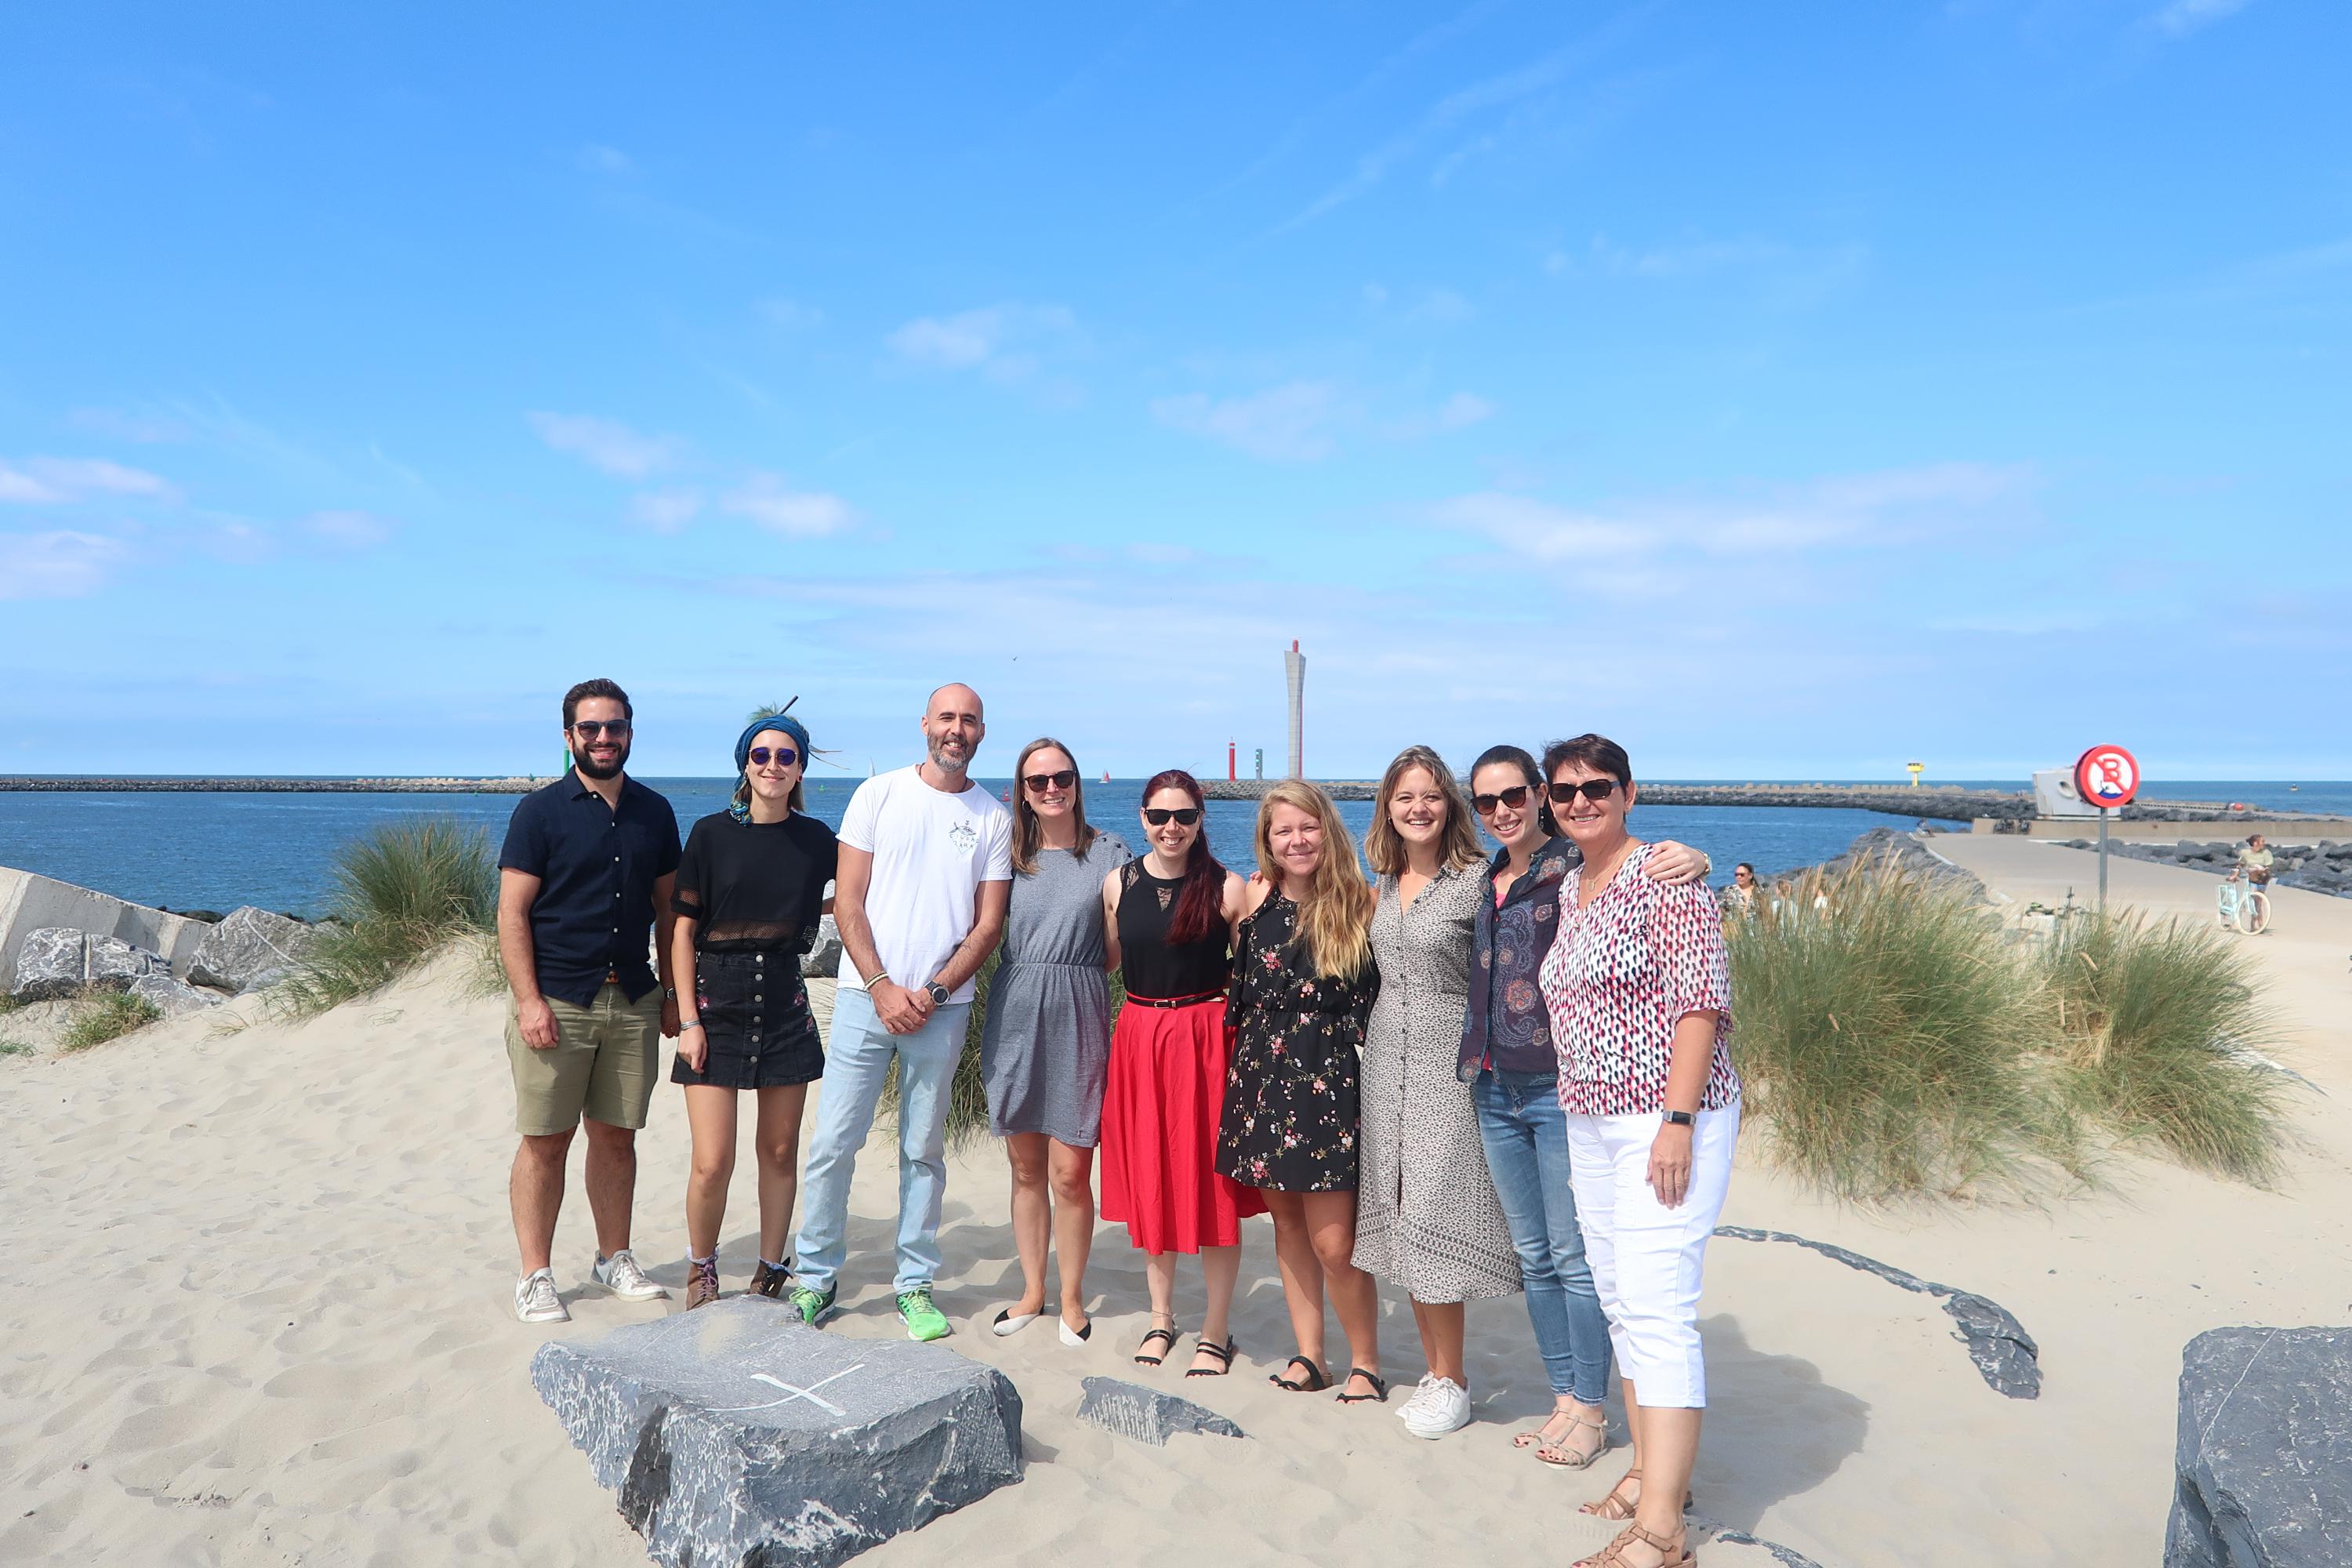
926, 870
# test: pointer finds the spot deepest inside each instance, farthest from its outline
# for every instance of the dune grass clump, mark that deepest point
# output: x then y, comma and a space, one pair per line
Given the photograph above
402, 893
16, 1048
98, 1016
1892, 1044
2157, 1026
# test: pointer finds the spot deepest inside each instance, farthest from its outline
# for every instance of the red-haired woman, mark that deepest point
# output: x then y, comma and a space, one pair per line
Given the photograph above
1167, 919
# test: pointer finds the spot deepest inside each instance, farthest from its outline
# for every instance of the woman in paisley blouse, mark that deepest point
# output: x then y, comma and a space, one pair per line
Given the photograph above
1302, 986
1638, 988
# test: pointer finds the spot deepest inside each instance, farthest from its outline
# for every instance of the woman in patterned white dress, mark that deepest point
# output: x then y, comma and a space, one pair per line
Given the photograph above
1426, 1214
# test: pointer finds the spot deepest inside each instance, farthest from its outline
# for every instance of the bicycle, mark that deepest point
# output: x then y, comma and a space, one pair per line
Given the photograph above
2243, 906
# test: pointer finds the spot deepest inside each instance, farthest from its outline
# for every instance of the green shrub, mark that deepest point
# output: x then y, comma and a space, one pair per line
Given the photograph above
2157, 1023
16, 1048
1892, 1045
98, 1016
402, 893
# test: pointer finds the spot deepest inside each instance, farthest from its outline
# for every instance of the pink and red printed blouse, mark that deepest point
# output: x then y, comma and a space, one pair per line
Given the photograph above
1624, 968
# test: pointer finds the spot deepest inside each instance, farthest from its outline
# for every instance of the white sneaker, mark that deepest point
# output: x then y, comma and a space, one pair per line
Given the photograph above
621, 1276
536, 1300
1444, 1406
1419, 1398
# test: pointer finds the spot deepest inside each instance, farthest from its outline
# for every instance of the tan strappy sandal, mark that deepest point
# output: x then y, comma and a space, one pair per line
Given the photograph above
1613, 1505
1565, 1459
1613, 1554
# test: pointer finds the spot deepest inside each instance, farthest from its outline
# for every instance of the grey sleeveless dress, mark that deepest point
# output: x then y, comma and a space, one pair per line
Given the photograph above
1045, 1047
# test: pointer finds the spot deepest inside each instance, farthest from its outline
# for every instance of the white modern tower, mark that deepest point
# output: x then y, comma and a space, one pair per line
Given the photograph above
1294, 664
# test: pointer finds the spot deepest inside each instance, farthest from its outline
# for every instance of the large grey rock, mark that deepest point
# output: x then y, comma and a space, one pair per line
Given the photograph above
734, 1435
824, 958
29, 903
50, 964
248, 949
113, 963
1147, 1415
171, 997
2262, 1468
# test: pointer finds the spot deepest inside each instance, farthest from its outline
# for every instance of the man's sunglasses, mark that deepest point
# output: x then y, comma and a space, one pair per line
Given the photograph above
592, 728
1590, 789
1159, 816
1040, 782
1516, 797
783, 756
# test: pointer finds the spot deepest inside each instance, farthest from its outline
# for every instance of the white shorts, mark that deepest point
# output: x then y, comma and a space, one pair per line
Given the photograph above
1647, 1259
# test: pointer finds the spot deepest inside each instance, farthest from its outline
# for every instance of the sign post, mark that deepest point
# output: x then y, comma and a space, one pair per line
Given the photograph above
2108, 778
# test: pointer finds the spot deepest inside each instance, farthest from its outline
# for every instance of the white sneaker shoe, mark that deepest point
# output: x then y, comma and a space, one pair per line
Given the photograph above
1442, 1406
1419, 1398
621, 1276
536, 1300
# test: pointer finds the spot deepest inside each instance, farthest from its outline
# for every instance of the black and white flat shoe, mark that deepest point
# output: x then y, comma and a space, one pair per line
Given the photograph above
1011, 1322
1076, 1337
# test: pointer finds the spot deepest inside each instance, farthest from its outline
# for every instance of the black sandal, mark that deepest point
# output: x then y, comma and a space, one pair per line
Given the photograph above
1380, 1390
1316, 1383
1167, 1334
1223, 1352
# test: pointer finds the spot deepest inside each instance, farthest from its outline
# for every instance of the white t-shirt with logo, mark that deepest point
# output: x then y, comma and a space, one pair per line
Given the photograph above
932, 852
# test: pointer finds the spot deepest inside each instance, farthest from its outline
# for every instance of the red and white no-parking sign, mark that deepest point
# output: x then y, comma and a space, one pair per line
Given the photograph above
2106, 776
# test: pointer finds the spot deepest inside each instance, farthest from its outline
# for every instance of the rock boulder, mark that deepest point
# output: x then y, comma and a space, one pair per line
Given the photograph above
824, 958
110, 962
50, 964
1147, 1415
170, 997
248, 949
2263, 1470
735, 1434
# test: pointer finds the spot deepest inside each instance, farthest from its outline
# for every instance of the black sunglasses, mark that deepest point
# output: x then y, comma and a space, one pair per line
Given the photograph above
784, 756
1516, 797
1158, 816
1039, 783
1590, 789
592, 728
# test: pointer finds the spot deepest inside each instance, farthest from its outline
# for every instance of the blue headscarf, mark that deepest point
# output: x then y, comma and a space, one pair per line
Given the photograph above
783, 723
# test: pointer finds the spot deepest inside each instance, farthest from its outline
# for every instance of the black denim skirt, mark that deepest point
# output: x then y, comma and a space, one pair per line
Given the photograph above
755, 1015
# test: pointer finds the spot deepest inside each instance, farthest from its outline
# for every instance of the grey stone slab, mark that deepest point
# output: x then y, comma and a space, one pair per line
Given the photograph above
50, 964
2262, 1465
823, 959
247, 947
1146, 1414
735, 1434
171, 998
114, 964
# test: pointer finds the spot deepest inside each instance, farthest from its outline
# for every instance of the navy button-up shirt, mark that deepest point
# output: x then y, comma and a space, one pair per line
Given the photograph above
1505, 1026
596, 868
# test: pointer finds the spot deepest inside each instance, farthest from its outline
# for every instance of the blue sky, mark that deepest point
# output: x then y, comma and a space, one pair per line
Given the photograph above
1786, 391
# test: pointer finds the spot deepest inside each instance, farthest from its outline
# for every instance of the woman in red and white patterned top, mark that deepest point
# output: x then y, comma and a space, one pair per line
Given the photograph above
1638, 987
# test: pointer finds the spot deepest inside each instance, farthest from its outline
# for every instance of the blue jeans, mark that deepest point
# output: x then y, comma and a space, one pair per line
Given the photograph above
1526, 1134
855, 1063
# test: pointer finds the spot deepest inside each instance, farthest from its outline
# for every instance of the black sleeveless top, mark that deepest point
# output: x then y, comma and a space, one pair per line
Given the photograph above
1152, 967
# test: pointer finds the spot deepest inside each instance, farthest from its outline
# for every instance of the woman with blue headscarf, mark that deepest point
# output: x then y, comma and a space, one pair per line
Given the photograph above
750, 891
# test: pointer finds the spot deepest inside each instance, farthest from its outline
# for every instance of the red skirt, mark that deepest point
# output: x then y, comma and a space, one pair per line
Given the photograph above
1165, 1092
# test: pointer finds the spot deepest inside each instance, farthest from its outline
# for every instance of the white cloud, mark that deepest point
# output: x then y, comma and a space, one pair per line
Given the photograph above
605, 444
1004, 342
60, 565
2185, 17
665, 511
348, 529
1292, 423
599, 159
790, 314
766, 500
45, 481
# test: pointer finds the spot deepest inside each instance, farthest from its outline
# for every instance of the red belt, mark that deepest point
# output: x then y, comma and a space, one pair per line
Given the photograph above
1176, 1001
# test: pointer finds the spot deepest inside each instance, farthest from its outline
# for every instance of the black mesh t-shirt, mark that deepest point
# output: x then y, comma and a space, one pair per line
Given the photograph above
754, 886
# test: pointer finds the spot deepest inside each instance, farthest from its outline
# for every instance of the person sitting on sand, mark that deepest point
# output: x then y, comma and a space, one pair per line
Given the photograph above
586, 868
750, 891
926, 872
1638, 987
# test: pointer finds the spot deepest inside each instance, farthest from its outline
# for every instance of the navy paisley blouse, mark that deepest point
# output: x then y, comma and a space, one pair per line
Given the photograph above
1507, 1026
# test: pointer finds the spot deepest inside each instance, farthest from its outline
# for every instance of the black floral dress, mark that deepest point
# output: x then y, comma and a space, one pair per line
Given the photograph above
1289, 1120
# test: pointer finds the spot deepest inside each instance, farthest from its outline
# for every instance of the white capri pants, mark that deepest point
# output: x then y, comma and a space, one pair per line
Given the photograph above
1647, 1259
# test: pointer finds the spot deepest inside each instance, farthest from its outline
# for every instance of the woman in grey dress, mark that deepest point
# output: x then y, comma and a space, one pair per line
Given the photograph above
1426, 1214
1045, 1044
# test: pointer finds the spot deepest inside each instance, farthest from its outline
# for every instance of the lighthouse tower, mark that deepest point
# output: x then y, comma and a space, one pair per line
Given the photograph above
1294, 664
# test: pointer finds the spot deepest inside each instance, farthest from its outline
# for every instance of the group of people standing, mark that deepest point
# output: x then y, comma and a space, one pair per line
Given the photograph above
1470, 1075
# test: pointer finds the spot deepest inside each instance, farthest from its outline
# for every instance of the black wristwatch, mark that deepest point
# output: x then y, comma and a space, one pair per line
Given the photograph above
1681, 1119
938, 993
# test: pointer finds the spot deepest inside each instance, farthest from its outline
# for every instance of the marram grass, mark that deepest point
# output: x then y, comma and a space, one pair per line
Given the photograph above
402, 893
98, 1016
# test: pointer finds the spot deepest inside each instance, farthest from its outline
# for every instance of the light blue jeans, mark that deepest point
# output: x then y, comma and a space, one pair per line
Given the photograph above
1526, 1134
855, 1063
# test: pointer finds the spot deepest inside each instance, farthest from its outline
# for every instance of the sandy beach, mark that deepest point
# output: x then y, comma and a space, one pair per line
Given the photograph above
257, 1313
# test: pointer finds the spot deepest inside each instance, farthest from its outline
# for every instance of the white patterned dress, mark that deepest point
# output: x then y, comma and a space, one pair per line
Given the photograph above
1426, 1214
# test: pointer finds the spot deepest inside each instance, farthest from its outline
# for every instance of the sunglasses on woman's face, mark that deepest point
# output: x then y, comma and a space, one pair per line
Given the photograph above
1183, 816
1516, 797
783, 756
1040, 782
1590, 789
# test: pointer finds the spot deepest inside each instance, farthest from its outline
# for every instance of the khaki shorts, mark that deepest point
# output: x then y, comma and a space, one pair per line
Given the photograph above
604, 1064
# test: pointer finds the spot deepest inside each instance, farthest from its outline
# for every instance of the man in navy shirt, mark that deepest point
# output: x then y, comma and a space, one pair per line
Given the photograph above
586, 869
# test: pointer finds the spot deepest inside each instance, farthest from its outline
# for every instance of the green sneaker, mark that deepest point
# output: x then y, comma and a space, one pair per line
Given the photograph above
814, 1306
923, 1320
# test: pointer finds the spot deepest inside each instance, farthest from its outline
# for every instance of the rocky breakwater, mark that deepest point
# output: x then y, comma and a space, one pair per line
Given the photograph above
2322, 868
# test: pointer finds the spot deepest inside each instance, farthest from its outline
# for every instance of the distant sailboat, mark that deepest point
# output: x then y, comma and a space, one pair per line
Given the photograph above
1107, 776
